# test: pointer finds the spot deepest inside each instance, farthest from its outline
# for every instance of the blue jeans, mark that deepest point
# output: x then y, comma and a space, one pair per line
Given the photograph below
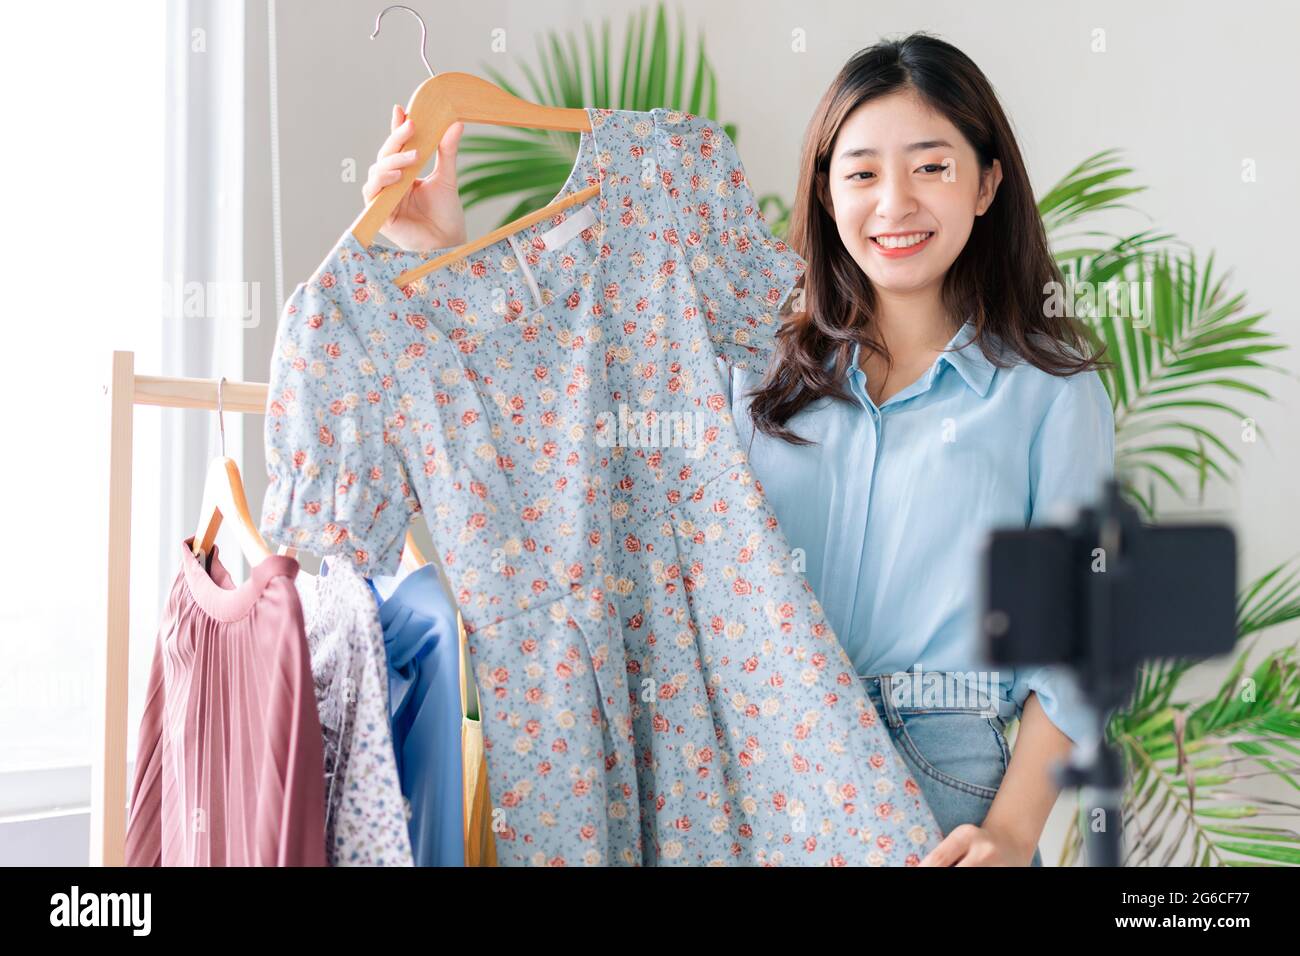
958, 754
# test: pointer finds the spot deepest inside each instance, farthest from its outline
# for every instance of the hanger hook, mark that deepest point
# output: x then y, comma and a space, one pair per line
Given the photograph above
424, 32
221, 418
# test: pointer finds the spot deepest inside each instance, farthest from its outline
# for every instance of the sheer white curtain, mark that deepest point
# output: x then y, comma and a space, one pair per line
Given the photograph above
132, 194
204, 278
83, 250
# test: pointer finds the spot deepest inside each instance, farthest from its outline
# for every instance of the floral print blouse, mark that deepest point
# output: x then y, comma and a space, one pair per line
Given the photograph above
658, 685
365, 813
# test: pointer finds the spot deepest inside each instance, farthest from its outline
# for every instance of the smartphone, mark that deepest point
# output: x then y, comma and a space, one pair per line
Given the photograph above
1172, 592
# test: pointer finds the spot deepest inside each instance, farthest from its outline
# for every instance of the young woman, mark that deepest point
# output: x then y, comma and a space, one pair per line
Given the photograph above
922, 393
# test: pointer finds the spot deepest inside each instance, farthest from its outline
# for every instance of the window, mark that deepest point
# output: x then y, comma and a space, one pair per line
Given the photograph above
84, 254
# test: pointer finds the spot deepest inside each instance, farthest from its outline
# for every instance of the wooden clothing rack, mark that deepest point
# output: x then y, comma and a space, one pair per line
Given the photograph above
127, 390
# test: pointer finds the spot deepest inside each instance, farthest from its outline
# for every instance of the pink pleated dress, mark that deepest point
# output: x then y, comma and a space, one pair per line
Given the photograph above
229, 770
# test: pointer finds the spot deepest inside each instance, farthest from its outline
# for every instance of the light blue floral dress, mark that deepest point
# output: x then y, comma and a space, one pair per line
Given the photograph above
658, 685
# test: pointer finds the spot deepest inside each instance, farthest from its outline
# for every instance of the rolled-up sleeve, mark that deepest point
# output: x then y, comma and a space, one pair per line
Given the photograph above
1058, 693
1071, 455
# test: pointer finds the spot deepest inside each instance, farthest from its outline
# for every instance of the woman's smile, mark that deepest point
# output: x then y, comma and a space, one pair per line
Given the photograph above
896, 245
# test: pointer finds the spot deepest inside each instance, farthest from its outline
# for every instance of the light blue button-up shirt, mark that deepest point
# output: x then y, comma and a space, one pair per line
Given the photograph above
887, 512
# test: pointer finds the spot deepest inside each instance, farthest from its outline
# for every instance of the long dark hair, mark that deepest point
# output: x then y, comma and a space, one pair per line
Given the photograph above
998, 281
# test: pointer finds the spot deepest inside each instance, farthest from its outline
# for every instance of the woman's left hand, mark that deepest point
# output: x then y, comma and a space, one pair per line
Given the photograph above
969, 845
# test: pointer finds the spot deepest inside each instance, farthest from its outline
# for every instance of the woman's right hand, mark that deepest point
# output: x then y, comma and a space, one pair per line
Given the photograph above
430, 215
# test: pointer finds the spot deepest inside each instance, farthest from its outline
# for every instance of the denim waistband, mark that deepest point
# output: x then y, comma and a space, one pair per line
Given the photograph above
917, 692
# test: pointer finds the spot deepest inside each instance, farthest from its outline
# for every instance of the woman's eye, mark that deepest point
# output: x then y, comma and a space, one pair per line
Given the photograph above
861, 175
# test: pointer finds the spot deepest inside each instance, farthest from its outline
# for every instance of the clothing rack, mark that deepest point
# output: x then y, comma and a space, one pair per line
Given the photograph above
125, 391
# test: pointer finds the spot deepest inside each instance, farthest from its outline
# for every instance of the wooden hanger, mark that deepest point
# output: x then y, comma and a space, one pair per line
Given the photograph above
440, 101
411, 556
224, 497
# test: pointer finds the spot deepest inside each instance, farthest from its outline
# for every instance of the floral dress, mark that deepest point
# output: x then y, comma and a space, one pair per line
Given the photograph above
658, 683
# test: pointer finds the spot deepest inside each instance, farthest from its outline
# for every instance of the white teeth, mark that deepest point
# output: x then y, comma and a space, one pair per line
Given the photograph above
902, 242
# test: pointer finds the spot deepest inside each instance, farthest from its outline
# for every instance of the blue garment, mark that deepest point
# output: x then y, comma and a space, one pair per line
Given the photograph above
891, 506
423, 648
958, 754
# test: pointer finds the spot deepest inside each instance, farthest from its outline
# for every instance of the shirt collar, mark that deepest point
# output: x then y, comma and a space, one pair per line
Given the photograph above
968, 359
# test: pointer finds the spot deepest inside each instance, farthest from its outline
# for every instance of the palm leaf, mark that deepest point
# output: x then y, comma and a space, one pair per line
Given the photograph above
1189, 339
1190, 765
1078, 193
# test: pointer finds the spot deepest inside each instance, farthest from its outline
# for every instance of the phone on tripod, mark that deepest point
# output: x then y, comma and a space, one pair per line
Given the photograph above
1099, 597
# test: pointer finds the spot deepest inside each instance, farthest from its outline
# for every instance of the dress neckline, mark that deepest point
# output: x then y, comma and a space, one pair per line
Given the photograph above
216, 593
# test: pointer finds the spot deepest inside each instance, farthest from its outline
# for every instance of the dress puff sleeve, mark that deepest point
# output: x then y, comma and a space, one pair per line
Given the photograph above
1071, 455
337, 481
742, 273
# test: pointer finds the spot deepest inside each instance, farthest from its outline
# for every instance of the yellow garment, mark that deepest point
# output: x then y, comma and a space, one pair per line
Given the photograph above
480, 846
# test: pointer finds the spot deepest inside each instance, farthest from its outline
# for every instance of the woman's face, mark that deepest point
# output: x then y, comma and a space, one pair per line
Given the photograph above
904, 189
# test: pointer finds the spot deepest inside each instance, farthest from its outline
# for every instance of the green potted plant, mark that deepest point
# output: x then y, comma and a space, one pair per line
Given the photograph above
1191, 796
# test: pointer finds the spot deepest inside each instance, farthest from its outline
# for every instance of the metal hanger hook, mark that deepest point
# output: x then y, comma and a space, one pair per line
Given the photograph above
424, 31
221, 419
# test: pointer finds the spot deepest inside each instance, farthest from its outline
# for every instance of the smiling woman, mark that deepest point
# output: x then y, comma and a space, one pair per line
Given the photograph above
905, 154
922, 398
